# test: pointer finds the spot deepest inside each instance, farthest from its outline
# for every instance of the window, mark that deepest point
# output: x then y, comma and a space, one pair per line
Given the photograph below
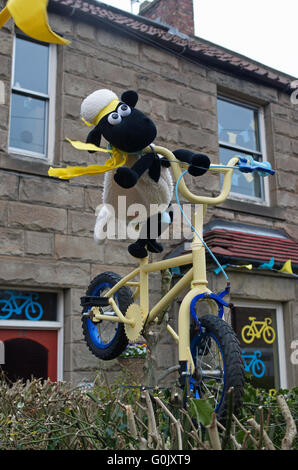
240, 133
31, 327
27, 305
259, 329
32, 99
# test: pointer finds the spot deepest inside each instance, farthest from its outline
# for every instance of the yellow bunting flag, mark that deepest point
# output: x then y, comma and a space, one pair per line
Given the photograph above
117, 159
287, 267
32, 18
247, 266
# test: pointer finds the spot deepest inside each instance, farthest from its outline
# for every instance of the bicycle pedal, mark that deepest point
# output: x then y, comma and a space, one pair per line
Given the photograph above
94, 301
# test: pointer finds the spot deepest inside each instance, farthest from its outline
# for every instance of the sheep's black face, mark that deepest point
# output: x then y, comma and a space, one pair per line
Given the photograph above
128, 129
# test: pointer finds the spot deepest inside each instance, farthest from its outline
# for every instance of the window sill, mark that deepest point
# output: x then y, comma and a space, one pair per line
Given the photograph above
253, 209
24, 164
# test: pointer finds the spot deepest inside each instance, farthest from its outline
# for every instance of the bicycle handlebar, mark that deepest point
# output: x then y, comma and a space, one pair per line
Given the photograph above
176, 168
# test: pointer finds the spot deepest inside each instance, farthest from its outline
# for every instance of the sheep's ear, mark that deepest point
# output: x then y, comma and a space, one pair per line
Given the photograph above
94, 137
130, 97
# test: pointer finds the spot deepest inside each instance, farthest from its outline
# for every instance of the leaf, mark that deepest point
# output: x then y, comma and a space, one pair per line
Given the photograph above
201, 410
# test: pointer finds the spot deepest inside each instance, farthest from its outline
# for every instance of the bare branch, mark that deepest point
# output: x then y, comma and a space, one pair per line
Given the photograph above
213, 433
268, 443
151, 420
173, 419
291, 429
131, 421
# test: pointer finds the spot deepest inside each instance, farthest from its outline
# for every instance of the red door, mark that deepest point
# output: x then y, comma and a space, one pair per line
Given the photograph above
30, 353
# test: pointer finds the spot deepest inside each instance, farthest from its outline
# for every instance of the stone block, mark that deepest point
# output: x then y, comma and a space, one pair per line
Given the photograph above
81, 223
75, 63
36, 217
158, 88
93, 197
3, 213
72, 107
85, 31
282, 127
183, 115
6, 44
73, 328
39, 243
158, 57
5, 69
44, 274
51, 192
9, 185
282, 144
198, 140
77, 248
287, 199
11, 242
82, 358
167, 134
112, 74
116, 253
61, 24
79, 86
199, 100
261, 287
286, 180
111, 40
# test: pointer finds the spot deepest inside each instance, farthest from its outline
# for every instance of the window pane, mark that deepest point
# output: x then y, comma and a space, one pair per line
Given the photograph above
26, 305
248, 184
238, 125
28, 124
31, 66
257, 332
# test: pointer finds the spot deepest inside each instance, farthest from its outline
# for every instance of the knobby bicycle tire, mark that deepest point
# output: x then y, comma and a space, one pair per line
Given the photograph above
119, 341
218, 330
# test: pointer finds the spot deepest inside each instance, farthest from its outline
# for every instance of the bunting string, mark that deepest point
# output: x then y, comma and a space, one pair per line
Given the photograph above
286, 268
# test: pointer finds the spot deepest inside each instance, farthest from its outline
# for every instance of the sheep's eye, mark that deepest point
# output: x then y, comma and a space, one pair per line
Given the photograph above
124, 110
114, 118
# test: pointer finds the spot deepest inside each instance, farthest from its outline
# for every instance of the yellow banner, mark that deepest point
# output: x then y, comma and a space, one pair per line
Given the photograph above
32, 18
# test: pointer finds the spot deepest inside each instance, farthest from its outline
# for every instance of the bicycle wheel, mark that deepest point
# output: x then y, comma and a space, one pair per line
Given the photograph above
269, 335
34, 311
218, 364
247, 334
258, 368
106, 339
6, 310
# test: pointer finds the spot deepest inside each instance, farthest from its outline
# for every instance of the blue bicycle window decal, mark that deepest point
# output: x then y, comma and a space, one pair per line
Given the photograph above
27, 305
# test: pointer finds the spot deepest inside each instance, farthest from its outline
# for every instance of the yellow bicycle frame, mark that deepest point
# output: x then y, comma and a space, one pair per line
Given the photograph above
196, 275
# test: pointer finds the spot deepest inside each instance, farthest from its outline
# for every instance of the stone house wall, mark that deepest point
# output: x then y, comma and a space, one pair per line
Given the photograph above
46, 225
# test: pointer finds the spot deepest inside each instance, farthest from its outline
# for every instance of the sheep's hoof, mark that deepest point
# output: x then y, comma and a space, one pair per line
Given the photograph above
125, 177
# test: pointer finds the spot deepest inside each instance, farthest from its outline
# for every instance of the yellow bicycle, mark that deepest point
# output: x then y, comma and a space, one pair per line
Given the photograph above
209, 352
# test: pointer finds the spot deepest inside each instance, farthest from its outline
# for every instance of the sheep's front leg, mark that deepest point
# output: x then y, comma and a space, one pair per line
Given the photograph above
128, 177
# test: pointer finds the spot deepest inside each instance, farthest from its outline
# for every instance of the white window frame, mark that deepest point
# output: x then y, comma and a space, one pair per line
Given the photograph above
281, 347
57, 325
50, 99
265, 200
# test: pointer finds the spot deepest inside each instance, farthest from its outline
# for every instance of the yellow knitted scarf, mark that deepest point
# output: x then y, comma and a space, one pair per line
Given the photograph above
118, 158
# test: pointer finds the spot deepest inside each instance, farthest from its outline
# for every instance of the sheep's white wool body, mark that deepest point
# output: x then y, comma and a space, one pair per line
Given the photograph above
95, 102
146, 192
